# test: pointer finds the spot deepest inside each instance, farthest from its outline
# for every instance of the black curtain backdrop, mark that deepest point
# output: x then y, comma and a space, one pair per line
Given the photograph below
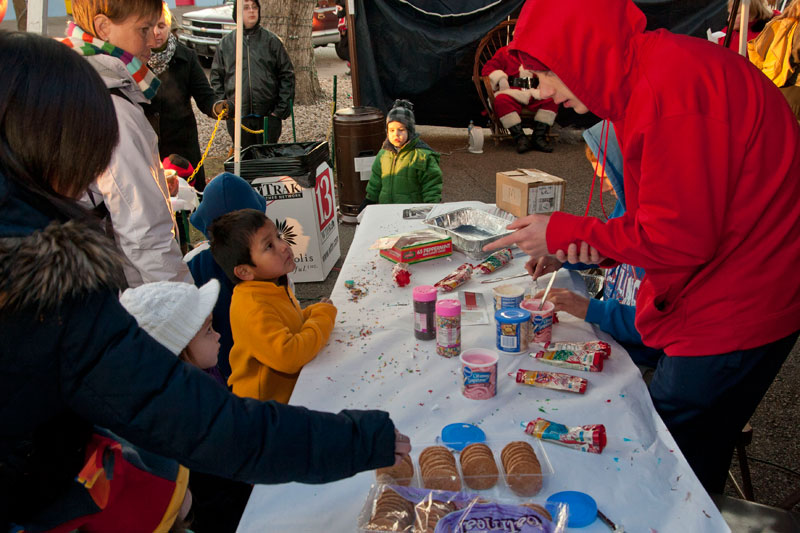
423, 50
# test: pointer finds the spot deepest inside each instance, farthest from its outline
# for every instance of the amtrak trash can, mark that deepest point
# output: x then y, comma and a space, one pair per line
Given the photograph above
297, 183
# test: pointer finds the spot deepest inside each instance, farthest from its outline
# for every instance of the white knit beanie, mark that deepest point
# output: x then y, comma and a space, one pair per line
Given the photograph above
171, 312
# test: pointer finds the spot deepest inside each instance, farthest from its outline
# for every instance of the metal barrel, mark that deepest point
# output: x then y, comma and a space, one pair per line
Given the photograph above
358, 134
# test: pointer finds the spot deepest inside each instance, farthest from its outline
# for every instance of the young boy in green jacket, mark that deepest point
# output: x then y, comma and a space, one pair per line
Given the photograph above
406, 170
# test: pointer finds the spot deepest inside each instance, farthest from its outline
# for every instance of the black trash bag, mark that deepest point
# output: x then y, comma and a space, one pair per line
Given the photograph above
296, 160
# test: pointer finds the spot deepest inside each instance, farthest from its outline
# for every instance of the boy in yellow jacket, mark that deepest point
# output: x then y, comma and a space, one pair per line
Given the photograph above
273, 338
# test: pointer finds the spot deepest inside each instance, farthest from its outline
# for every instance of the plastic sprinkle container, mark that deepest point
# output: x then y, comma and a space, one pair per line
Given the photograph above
512, 329
424, 312
448, 328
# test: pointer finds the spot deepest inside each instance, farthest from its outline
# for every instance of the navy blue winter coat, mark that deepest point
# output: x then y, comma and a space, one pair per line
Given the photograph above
72, 357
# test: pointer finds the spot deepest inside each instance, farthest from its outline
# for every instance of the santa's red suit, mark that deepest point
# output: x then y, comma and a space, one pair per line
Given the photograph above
502, 70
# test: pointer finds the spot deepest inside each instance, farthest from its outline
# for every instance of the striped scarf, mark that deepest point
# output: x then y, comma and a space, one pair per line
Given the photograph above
88, 45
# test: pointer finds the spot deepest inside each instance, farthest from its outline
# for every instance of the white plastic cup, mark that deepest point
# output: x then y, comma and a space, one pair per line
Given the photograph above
507, 296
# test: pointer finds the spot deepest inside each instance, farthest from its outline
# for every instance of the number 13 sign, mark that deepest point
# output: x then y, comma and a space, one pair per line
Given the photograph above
326, 203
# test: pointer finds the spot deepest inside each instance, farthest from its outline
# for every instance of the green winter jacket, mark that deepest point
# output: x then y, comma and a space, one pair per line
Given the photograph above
410, 176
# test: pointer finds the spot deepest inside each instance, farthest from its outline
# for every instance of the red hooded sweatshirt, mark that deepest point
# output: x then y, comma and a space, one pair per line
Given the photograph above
712, 174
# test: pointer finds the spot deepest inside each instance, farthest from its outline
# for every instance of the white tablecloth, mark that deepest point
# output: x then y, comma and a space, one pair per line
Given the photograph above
641, 480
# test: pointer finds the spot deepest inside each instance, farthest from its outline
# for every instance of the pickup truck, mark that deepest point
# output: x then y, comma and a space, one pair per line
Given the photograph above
202, 30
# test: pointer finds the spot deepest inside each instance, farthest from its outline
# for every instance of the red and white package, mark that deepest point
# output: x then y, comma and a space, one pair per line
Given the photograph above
551, 380
458, 277
497, 260
590, 438
589, 346
587, 361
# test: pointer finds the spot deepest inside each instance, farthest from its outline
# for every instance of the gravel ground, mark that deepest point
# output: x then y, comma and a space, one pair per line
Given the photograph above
312, 123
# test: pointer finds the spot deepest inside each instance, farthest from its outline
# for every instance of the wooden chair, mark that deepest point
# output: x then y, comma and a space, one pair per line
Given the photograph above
497, 38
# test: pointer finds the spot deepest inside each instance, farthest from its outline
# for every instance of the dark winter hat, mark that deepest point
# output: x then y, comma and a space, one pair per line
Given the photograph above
402, 111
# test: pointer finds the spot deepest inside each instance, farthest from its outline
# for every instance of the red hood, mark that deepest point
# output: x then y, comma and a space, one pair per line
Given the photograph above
590, 45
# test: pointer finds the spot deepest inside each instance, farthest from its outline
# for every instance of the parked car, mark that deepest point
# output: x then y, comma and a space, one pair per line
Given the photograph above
203, 29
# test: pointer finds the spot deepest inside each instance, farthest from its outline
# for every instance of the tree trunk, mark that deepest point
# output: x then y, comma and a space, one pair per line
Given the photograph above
291, 21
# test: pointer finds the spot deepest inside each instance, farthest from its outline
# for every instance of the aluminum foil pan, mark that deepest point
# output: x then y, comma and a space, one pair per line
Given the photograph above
470, 229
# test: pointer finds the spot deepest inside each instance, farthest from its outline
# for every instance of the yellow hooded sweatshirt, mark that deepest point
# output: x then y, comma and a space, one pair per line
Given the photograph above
273, 339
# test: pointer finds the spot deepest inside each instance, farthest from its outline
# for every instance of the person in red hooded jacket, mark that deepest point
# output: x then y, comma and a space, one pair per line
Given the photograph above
711, 182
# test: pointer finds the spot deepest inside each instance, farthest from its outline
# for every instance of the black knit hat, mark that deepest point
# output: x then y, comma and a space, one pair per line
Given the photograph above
402, 111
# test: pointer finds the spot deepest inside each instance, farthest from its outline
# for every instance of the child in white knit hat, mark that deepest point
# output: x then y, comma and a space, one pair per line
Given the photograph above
178, 315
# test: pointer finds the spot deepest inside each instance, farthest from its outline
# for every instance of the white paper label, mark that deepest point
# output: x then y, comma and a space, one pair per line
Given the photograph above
363, 165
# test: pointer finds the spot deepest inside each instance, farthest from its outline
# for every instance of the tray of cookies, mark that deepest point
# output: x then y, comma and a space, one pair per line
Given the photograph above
495, 469
421, 510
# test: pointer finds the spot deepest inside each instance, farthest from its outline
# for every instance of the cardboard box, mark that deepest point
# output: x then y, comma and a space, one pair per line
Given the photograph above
417, 248
306, 219
524, 192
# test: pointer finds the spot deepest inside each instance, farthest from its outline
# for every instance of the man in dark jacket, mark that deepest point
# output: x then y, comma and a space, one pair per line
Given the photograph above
267, 77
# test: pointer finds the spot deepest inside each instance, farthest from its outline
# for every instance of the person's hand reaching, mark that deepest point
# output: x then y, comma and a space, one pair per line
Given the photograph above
325, 301
544, 265
221, 106
530, 236
402, 446
567, 301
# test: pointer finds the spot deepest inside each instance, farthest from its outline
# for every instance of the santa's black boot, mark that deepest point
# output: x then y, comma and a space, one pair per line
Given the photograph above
524, 143
539, 139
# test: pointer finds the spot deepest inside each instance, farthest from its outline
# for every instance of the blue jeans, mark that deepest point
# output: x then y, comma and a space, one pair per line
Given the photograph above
705, 402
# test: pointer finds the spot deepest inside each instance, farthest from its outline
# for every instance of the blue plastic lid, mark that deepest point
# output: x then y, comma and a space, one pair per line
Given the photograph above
581, 508
512, 315
460, 435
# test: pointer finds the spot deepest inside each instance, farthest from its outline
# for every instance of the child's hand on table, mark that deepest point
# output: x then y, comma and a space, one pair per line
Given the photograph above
325, 301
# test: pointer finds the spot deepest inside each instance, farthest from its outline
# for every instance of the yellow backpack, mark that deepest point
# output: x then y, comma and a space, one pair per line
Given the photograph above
771, 52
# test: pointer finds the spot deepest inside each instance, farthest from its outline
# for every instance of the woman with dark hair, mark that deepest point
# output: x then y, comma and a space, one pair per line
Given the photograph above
74, 359
182, 79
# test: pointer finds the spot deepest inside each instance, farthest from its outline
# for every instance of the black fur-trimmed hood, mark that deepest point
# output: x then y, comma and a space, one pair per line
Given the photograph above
63, 260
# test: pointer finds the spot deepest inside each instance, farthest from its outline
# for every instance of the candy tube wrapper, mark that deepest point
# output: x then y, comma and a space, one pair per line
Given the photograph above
590, 346
401, 274
551, 380
591, 438
458, 277
588, 361
496, 260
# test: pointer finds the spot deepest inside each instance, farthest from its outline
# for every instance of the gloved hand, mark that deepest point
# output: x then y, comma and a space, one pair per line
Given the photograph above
502, 84
499, 80
223, 106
